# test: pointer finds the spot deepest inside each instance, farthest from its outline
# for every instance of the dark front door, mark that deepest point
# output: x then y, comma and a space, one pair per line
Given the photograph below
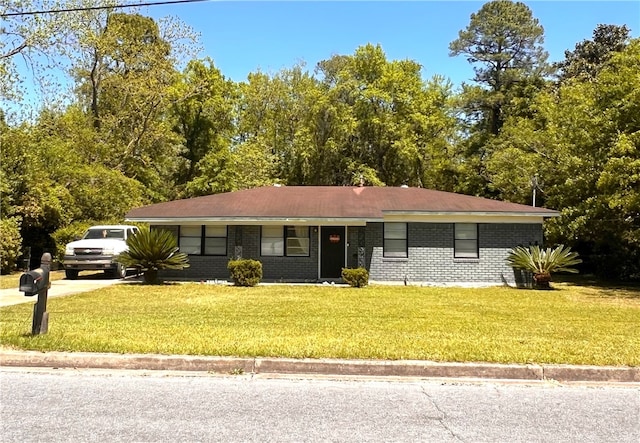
332, 243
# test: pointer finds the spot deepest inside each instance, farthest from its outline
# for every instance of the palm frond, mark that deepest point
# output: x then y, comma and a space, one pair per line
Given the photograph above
153, 250
543, 261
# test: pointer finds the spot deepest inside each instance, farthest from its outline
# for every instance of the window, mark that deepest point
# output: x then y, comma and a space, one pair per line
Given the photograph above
203, 240
272, 241
95, 233
191, 240
395, 240
297, 241
466, 240
215, 240
290, 241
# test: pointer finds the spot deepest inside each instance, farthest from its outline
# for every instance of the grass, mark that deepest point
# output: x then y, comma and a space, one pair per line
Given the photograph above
13, 280
572, 324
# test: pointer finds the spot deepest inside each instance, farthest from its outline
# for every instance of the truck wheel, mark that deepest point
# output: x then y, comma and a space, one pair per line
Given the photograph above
121, 271
71, 274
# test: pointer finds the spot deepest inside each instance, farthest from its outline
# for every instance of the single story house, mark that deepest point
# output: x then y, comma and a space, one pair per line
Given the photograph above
309, 233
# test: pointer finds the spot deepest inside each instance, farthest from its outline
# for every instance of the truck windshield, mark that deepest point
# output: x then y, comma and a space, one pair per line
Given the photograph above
104, 233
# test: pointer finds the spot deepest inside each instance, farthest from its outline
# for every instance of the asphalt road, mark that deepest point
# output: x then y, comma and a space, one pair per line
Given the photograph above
89, 405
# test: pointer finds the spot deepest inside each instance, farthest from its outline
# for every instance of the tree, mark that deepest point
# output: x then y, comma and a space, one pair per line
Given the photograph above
204, 118
42, 44
582, 143
50, 178
10, 244
590, 56
504, 41
387, 125
30, 39
125, 73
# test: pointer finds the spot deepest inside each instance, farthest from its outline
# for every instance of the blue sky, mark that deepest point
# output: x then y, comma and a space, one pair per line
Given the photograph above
246, 36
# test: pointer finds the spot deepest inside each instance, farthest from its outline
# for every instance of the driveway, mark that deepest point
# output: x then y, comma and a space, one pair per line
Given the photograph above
59, 288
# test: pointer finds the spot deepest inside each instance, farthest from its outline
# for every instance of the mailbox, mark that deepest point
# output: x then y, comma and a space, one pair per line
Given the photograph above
37, 282
34, 281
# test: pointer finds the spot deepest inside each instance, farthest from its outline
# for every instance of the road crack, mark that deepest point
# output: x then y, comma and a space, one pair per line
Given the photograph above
443, 417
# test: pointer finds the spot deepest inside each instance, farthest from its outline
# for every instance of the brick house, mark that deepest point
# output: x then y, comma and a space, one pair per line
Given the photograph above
309, 233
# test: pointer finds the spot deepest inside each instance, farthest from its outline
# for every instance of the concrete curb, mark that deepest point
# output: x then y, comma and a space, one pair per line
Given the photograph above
376, 368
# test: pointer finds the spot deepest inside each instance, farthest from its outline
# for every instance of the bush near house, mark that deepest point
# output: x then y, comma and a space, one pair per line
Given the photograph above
245, 272
356, 278
152, 251
543, 262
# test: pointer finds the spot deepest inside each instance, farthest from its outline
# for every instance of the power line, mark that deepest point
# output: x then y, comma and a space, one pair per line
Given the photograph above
97, 8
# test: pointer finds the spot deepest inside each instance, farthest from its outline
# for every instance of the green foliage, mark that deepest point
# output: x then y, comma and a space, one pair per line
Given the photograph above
151, 251
204, 120
125, 76
543, 262
245, 272
10, 243
32, 40
581, 141
356, 278
140, 131
590, 56
504, 41
391, 127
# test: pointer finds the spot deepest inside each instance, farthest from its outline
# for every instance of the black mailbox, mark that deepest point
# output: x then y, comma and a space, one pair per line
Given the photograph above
34, 281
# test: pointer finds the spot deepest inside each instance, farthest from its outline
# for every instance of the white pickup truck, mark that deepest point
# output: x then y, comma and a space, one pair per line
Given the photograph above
97, 249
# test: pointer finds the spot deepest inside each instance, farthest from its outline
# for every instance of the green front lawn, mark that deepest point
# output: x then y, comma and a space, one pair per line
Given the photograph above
11, 281
572, 324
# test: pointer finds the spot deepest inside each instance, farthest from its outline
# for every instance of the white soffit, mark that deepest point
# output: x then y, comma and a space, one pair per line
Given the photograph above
254, 221
463, 217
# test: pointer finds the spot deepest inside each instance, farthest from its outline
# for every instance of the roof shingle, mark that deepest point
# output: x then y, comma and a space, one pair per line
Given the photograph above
328, 202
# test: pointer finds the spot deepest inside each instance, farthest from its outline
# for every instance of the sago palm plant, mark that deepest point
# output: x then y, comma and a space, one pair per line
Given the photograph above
151, 251
543, 262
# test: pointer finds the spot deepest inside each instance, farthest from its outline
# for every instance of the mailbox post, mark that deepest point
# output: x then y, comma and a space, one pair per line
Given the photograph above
37, 282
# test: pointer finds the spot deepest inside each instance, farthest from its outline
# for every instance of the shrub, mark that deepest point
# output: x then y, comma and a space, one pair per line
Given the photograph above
245, 272
10, 243
151, 251
543, 262
357, 278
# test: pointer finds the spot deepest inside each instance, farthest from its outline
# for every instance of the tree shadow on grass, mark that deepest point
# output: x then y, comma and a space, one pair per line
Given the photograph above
606, 288
94, 275
137, 282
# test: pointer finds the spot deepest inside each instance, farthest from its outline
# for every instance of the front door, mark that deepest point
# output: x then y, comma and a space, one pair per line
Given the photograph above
332, 252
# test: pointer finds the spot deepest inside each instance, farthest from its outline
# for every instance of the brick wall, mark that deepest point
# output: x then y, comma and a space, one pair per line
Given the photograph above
248, 238
430, 255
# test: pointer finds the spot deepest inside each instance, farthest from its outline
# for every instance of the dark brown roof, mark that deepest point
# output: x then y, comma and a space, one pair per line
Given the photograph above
328, 202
